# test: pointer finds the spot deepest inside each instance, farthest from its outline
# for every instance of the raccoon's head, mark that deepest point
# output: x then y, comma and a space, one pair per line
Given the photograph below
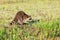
29, 18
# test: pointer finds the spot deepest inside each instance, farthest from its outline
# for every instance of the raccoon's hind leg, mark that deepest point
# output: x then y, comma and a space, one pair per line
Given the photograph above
20, 21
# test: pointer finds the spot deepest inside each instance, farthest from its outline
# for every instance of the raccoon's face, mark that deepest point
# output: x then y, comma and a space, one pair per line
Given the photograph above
29, 18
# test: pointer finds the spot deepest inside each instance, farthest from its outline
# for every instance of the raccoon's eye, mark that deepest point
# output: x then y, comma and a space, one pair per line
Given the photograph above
30, 18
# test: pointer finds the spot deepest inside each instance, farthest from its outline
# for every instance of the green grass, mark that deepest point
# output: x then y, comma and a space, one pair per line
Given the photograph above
41, 31
48, 12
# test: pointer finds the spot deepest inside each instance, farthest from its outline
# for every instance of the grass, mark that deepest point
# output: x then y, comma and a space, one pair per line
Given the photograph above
47, 12
42, 31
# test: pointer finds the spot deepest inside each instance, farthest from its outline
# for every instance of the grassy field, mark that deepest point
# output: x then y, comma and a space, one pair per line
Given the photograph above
46, 11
